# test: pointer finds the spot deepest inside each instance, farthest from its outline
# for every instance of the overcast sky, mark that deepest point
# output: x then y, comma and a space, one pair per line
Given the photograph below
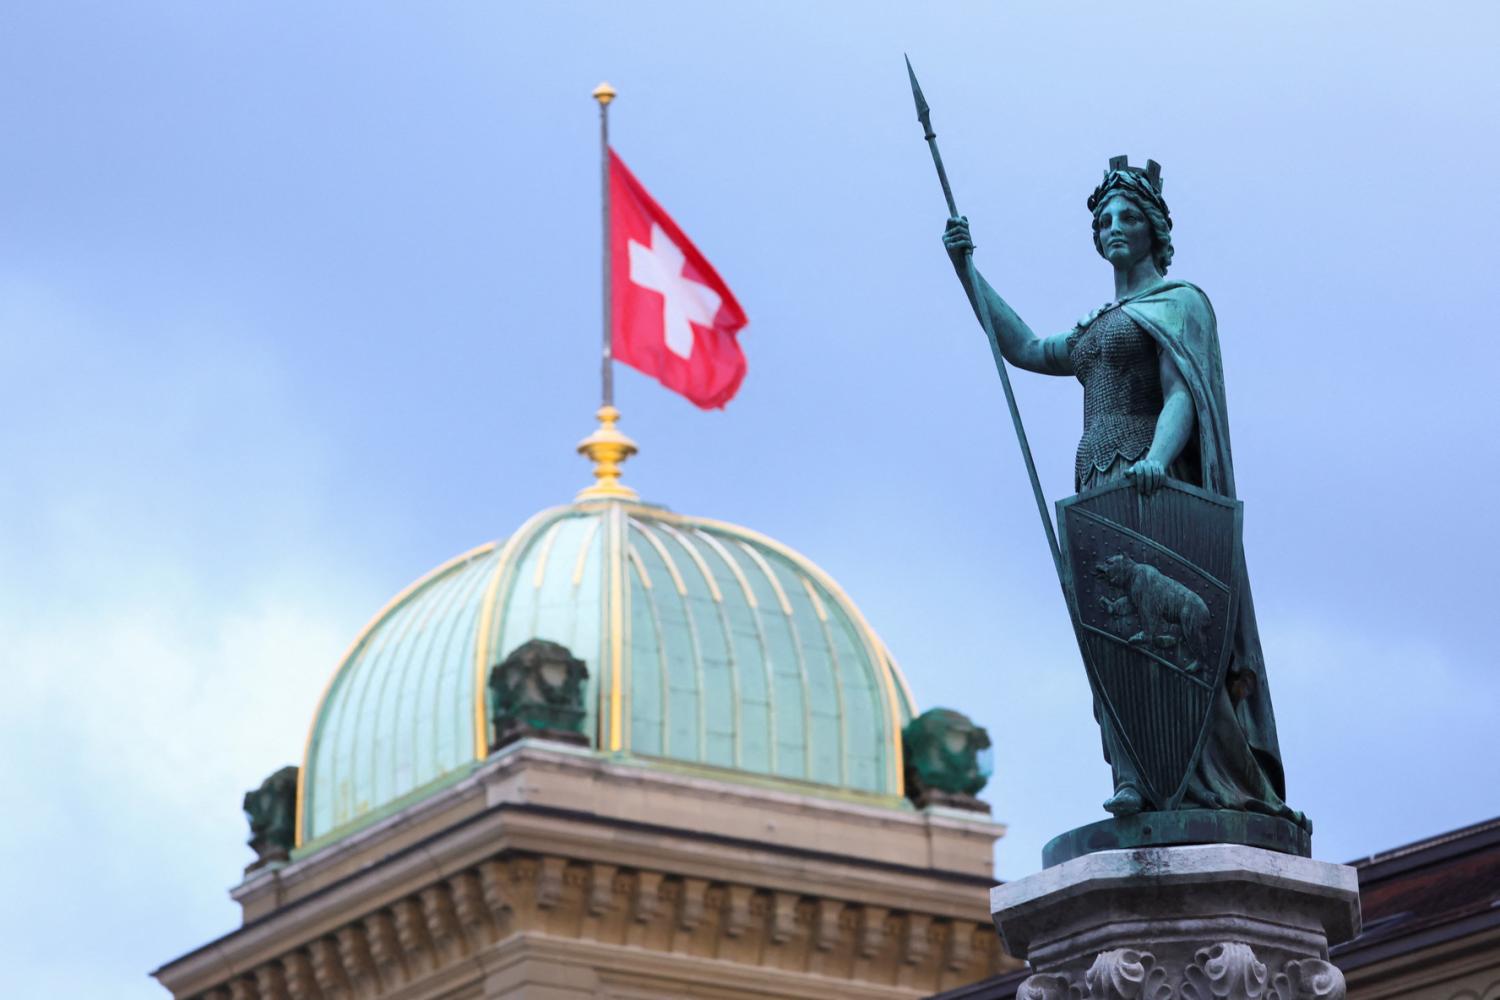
297, 303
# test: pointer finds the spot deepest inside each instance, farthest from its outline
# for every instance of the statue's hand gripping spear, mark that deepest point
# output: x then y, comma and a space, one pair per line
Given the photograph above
971, 285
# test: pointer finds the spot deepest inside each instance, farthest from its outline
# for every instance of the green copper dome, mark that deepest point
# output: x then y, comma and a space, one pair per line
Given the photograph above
707, 645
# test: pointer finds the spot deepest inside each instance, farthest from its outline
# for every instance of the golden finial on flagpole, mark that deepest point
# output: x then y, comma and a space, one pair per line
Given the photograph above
604, 93
608, 449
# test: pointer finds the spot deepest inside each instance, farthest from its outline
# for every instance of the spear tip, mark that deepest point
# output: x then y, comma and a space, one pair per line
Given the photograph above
916, 92
916, 88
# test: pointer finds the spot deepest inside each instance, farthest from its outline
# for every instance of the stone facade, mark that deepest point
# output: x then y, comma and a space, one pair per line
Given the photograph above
559, 873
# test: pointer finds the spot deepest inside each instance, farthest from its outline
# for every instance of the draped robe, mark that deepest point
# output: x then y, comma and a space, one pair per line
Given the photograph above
1241, 763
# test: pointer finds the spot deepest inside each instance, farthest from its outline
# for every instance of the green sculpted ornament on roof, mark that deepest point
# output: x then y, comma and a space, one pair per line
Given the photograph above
538, 691
272, 811
947, 759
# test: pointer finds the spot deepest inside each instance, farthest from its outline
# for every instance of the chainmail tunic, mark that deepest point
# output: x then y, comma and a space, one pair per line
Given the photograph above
1118, 364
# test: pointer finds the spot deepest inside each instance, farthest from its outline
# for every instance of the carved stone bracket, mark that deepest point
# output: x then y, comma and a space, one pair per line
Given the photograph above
737, 910
428, 934
646, 901
784, 916
829, 929
328, 969
691, 913
301, 984
601, 889
549, 882
917, 946
872, 931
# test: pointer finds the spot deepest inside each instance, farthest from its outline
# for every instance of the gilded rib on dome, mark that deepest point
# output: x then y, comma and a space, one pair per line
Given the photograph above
707, 645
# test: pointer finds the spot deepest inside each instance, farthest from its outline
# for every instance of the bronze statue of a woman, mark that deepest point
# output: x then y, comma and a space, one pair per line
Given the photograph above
1154, 415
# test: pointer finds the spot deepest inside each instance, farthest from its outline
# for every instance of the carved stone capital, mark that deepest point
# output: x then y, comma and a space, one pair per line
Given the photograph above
1048, 987
1309, 979
1215, 922
1229, 970
1127, 974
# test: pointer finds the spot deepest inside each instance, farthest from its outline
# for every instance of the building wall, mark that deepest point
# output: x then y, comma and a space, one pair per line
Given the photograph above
560, 874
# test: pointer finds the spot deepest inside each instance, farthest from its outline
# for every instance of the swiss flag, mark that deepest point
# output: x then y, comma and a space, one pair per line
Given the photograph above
674, 318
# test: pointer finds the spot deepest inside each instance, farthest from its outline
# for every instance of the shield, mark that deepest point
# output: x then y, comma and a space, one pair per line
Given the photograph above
1153, 587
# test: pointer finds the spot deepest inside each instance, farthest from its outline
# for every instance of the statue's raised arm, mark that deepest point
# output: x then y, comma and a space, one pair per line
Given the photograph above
1018, 343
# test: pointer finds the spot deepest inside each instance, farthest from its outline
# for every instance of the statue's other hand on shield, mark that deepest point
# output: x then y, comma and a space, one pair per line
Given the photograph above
956, 238
1148, 475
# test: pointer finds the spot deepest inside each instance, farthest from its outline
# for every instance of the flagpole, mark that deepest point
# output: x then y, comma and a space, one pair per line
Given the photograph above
604, 93
607, 448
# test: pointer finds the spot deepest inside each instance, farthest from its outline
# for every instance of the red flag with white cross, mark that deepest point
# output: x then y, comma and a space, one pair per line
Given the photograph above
673, 317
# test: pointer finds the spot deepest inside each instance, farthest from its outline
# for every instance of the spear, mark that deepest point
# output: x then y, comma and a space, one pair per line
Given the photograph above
971, 286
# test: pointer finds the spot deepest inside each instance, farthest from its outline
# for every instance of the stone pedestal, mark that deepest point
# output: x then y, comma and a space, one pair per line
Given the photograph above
1210, 922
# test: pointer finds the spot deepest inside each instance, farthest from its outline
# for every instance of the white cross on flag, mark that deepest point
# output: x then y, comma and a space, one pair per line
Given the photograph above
673, 316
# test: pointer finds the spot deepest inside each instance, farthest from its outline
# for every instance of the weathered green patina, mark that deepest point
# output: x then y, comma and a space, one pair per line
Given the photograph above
272, 811
1181, 826
947, 759
708, 646
538, 691
1151, 560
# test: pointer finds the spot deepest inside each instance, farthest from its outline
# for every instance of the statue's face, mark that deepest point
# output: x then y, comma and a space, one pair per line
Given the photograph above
1124, 232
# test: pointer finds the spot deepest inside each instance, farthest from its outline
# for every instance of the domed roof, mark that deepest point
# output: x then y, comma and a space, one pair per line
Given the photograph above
708, 646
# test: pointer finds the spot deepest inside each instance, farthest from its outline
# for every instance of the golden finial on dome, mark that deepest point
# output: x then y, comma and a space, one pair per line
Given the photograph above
607, 448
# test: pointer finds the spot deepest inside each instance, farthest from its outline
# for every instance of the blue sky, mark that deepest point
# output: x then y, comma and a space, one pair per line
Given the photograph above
295, 304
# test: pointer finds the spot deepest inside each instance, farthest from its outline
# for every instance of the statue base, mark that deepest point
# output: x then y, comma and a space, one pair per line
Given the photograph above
1179, 828
1206, 921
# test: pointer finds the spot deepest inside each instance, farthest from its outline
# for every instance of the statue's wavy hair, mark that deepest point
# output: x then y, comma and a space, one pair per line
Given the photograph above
1144, 192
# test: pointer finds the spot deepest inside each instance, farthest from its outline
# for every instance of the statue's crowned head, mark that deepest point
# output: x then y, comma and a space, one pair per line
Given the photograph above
1142, 187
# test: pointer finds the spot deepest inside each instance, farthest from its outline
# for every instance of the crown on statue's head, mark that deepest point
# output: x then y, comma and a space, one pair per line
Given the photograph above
1152, 170
1143, 182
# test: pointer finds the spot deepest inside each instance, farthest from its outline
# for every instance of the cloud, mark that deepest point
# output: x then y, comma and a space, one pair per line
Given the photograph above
171, 613
136, 730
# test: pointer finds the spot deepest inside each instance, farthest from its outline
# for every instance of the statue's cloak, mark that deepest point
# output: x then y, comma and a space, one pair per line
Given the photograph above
1181, 320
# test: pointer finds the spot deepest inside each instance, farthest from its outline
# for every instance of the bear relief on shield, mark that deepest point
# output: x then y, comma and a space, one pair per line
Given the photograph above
1148, 608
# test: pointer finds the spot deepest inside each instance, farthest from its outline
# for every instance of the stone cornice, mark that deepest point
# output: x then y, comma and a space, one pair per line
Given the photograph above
544, 842
535, 829
457, 927
536, 773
